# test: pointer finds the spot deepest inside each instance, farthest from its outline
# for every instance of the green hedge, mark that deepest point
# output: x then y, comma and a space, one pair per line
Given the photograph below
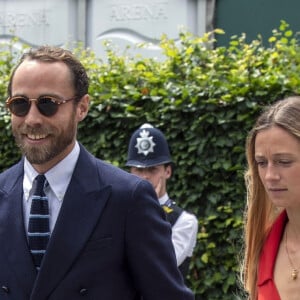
205, 100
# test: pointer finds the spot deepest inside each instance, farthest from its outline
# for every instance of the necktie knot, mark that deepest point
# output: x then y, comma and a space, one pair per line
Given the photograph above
40, 182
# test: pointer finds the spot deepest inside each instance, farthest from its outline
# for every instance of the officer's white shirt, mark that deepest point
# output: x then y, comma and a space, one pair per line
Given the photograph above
184, 233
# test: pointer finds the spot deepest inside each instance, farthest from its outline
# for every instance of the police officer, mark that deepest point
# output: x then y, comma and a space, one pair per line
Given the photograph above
149, 157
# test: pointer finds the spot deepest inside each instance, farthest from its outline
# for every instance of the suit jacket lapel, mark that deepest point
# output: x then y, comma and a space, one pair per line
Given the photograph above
13, 230
83, 203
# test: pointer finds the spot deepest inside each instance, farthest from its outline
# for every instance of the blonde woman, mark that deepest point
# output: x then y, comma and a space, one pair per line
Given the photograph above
271, 268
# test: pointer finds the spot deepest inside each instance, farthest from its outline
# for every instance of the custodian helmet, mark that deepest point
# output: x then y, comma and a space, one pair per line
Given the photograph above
148, 147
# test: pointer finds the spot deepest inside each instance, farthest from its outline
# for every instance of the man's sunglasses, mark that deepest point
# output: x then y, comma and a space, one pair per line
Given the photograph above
47, 105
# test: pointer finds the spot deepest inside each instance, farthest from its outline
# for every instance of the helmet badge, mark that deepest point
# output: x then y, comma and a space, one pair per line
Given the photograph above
145, 143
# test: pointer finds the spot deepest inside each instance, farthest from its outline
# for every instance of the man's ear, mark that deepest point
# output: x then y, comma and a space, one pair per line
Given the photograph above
168, 171
83, 107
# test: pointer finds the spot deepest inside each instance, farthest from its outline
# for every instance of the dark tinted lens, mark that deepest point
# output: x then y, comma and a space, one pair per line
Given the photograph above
19, 106
47, 106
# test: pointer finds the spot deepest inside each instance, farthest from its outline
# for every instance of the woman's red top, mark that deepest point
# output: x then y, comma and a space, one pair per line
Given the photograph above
266, 286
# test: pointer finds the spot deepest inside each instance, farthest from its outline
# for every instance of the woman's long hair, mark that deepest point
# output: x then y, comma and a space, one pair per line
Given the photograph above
260, 213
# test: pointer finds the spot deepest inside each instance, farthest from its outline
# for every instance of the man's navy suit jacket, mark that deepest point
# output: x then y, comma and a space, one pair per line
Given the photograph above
110, 242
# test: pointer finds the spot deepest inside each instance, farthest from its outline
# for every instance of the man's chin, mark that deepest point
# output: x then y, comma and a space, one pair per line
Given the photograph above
35, 155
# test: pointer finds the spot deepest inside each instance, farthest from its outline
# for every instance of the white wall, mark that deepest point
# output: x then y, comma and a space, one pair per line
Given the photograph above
123, 22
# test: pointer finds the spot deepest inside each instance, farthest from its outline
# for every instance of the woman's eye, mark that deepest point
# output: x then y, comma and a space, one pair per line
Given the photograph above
261, 163
285, 162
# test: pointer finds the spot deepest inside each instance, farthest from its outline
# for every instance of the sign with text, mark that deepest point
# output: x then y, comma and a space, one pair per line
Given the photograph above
122, 22
37, 22
129, 22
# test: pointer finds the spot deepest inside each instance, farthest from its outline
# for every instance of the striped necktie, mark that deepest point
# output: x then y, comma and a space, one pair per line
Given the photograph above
38, 227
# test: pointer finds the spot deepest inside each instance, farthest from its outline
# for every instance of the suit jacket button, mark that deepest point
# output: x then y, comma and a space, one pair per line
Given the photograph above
83, 291
5, 289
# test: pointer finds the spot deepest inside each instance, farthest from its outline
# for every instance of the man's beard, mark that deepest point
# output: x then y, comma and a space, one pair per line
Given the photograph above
45, 153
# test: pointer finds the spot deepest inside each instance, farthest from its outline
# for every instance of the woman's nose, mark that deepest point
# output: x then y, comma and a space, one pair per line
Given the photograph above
272, 173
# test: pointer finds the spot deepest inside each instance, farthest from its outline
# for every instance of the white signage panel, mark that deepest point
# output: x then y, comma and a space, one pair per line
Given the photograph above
37, 22
128, 22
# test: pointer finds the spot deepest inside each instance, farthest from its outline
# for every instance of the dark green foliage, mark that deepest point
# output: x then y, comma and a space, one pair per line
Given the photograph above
205, 100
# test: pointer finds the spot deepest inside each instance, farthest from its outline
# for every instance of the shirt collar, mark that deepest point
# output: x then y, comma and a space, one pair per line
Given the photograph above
162, 200
58, 177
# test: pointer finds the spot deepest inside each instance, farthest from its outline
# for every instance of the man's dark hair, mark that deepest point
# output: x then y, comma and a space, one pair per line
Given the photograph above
50, 54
